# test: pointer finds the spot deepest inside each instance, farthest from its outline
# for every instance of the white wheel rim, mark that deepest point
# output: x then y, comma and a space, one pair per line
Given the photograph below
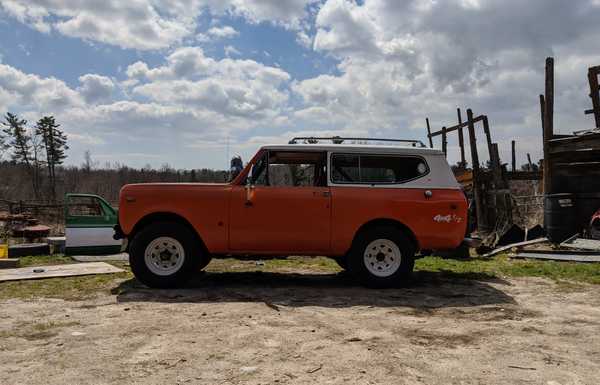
164, 256
382, 257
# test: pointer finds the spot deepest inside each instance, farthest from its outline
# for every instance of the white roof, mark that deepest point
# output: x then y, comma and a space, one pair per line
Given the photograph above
358, 148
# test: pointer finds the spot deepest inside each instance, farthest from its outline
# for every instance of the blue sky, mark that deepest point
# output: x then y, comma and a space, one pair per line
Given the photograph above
155, 82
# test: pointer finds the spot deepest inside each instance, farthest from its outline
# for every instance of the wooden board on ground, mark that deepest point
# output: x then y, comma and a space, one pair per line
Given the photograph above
518, 244
57, 271
558, 257
580, 243
101, 258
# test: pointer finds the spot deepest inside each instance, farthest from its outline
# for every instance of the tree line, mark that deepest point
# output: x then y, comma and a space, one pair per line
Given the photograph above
32, 166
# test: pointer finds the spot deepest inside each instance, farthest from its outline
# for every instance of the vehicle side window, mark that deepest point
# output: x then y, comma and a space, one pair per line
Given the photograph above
376, 169
290, 168
82, 206
345, 168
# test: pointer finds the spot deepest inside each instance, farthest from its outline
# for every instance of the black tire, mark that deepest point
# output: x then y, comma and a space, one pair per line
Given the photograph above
342, 262
194, 257
357, 262
205, 260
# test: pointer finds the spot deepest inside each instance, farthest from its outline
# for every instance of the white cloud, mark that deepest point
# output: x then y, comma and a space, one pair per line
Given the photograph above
32, 91
215, 33
288, 13
403, 61
225, 32
147, 24
231, 51
96, 88
240, 88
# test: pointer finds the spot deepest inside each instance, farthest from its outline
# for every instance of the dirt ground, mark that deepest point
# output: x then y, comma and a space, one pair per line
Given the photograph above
311, 328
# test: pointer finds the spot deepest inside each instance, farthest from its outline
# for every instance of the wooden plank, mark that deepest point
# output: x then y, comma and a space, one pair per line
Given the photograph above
458, 126
58, 271
518, 244
559, 257
589, 142
477, 193
548, 125
514, 155
444, 141
584, 244
488, 138
429, 133
595, 93
101, 258
461, 139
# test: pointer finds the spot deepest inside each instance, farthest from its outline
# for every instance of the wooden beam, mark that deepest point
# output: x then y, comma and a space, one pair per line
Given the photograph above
574, 143
548, 125
514, 155
461, 139
458, 126
444, 141
429, 133
477, 193
497, 166
542, 110
595, 93
488, 137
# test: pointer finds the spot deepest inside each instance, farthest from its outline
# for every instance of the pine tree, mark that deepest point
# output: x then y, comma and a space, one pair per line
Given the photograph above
3, 145
18, 139
55, 145
24, 147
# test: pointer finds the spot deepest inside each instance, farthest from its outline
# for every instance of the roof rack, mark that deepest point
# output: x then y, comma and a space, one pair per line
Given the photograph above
340, 140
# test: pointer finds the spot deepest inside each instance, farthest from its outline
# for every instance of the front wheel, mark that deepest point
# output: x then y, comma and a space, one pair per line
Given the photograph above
382, 257
165, 254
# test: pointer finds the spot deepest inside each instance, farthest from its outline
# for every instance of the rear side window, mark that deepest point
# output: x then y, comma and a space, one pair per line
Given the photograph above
376, 169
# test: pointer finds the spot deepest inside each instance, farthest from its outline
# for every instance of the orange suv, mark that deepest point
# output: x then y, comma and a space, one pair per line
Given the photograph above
370, 207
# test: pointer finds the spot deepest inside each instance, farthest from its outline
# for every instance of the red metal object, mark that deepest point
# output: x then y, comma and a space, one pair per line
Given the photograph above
595, 225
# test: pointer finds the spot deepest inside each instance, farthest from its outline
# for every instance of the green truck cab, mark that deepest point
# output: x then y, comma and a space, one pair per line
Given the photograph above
89, 222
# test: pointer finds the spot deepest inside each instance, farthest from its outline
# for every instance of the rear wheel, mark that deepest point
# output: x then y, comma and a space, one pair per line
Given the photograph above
382, 257
165, 254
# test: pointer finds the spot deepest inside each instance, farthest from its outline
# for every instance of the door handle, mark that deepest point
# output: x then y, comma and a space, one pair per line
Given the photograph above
322, 193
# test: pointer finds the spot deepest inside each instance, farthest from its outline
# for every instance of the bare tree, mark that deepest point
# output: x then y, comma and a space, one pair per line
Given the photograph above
88, 163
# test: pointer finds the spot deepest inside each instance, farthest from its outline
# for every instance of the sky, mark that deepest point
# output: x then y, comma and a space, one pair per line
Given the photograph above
191, 83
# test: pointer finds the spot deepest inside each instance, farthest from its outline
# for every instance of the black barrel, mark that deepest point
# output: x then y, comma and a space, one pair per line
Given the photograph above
560, 216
